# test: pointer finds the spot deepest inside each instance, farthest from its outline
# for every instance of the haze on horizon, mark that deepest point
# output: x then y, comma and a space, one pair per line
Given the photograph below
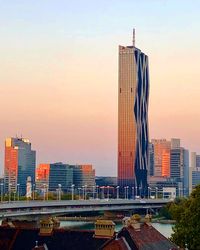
59, 74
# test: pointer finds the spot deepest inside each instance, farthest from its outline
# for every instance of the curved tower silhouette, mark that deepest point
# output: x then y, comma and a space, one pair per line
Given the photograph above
133, 138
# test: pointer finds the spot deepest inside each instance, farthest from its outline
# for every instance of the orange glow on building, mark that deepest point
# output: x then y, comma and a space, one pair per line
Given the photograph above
126, 120
161, 157
42, 172
11, 167
84, 175
166, 163
133, 134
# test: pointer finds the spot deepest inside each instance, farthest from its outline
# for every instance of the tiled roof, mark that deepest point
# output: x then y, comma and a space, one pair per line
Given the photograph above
61, 239
146, 238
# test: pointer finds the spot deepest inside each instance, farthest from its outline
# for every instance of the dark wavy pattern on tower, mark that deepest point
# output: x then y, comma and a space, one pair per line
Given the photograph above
141, 117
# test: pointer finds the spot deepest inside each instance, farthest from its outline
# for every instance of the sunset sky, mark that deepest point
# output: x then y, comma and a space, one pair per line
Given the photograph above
59, 74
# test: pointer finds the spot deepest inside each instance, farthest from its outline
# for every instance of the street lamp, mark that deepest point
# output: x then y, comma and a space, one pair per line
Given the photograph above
85, 192
127, 192
149, 192
47, 191
9, 193
79, 193
97, 192
93, 191
33, 191
108, 192
72, 191
44, 197
136, 191
156, 192
117, 192
132, 192
1, 192
59, 191
102, 192
140, 191
18, 191
14, 193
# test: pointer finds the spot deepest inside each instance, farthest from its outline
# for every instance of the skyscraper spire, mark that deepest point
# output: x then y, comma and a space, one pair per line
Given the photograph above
133, 37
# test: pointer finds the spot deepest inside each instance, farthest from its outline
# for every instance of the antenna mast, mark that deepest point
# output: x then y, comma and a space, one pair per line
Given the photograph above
133, 38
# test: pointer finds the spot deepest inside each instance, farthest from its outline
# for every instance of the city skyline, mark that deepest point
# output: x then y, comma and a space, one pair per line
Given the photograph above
54, 89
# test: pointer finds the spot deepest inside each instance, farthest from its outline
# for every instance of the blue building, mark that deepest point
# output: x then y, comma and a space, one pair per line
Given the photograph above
60, 174
179, 168
19, 164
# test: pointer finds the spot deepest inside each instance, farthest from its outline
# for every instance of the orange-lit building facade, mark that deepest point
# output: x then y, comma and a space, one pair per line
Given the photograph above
166, 163
42, 175
84, 175
19, 164
162, 149
11, 166
133, 94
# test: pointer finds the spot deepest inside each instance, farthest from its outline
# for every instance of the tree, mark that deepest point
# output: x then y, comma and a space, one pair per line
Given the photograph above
187, 216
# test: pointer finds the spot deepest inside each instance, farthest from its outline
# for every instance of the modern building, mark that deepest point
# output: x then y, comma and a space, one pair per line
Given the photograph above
198, 161
195, 178
179, 168
60, 175
161, 157
83, 175
106, 181
19, 164
151, 160
42, 176
166, 163
194, 171
175, 143
195, 161
158, 184
133, 135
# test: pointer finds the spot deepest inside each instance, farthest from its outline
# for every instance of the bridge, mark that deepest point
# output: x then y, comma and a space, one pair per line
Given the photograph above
37, 209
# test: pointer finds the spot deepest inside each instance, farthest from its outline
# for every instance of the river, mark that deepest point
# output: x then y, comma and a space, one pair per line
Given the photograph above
165, 229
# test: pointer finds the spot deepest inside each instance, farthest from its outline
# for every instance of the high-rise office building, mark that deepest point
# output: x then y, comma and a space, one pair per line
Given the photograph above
133, 95
193, 160
161, 157
179, 169
166, 163
198, 161
42, 176
151, 160
60, 174
84, 175
19, 164
175, 143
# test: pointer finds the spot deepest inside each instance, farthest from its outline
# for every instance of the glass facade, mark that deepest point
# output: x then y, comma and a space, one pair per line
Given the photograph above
151, 160
19, 164
161, 157
84, 175
179, 159
60, 174
133, 94
195, 178
42, 176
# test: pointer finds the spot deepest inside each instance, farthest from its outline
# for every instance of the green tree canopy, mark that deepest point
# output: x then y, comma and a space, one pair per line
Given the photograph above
187, 216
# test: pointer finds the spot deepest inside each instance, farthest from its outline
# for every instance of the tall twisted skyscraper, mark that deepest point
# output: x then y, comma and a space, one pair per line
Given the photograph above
133, 96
